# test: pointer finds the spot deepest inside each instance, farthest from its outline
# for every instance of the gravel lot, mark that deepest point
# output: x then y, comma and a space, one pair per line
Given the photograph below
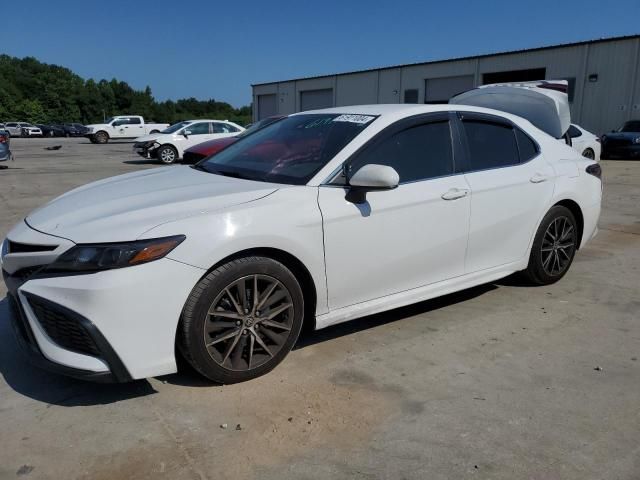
500, 381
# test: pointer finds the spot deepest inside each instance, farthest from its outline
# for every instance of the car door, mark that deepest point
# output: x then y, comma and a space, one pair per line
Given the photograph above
403, 238
194, 133
134, 128
511, 184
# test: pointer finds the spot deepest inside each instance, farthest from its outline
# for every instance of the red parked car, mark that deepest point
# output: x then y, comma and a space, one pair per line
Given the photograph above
206, 149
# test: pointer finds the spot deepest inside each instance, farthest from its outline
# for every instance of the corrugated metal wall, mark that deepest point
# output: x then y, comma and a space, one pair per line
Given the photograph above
606, 92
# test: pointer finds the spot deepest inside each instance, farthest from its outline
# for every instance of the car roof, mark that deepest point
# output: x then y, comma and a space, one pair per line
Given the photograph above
393, 112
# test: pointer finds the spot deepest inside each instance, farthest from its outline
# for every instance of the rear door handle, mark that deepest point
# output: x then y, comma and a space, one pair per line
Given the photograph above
539, 178
455, 193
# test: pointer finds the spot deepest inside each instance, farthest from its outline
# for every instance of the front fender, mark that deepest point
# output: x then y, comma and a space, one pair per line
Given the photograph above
287, 220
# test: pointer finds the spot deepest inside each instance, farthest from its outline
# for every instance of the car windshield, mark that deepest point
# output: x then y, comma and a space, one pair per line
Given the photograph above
258, 125
175, 127
108, 120
631, 127
290, 151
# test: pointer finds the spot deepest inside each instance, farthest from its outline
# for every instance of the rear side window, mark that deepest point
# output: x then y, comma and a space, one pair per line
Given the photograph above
223, 128
527, 147
134, 121
491, 145
417, 153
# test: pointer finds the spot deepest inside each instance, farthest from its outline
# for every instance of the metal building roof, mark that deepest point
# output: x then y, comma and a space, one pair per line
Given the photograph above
472, 57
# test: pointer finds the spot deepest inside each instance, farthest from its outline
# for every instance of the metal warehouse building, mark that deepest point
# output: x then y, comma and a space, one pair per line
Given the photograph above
603, 76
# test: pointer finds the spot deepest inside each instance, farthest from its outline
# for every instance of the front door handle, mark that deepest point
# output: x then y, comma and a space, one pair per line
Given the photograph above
455, 193
539, 178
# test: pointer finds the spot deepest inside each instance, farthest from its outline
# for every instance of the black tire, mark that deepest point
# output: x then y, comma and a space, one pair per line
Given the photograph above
193, 333
101, 137
551, 258
589, 153
167, 154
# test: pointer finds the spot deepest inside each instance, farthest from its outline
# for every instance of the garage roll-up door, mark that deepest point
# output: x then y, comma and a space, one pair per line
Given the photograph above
314, 99
267, 106
440, 90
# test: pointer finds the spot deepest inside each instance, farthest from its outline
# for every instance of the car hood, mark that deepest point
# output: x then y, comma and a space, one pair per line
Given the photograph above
212, 146
151, 136
623, 135
122, 208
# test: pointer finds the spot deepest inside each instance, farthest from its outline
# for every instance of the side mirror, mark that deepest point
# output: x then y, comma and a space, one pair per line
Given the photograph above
186, 133
370, 178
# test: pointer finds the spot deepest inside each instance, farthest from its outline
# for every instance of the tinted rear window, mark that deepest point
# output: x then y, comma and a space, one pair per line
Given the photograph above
527, 147
491, 145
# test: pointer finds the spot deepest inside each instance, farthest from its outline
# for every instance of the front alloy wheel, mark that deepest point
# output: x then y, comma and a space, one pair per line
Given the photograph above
167, 154
242, 319
248, 322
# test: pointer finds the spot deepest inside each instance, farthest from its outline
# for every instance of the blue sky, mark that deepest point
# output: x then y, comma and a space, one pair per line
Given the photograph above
212, 49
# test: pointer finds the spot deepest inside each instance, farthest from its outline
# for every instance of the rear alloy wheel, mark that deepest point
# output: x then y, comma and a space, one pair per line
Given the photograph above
167, 154
554, 247
242, 319
589, 153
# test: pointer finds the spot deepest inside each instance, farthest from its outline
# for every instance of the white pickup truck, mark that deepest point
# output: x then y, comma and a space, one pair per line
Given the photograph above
122, 126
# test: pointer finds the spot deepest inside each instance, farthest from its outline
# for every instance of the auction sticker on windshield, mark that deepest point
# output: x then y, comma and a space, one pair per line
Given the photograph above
354, 118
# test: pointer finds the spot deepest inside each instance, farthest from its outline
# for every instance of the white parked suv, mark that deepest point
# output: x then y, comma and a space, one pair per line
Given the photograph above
122, 127
169, 145
319, 218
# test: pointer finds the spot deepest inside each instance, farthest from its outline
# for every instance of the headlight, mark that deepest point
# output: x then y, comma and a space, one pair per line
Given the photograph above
106, 256
636, 140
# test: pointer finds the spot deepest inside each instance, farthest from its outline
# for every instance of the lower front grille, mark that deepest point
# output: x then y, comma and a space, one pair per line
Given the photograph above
62, 327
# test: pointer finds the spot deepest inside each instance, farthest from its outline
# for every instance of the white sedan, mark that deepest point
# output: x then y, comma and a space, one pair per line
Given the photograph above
169, 145
585, 142
317, 219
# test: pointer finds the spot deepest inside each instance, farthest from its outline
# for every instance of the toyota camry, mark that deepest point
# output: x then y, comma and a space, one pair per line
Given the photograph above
319, 218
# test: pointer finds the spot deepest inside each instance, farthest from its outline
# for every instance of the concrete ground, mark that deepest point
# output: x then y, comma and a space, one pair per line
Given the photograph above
500, 381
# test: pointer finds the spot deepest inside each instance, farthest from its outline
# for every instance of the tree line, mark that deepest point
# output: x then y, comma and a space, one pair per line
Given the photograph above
37, 92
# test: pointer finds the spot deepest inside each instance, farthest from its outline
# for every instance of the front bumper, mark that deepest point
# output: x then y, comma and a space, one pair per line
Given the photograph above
115, 325
26, 338
146, 149
621, 151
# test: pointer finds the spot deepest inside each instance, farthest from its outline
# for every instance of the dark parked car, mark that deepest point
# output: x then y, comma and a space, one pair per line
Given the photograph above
622, 143
206, 149
52, 130
75, 130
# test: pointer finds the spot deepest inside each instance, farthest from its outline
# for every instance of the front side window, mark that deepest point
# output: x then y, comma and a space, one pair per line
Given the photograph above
200, 128
490, 145
417, 153
289, 151
175, 127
